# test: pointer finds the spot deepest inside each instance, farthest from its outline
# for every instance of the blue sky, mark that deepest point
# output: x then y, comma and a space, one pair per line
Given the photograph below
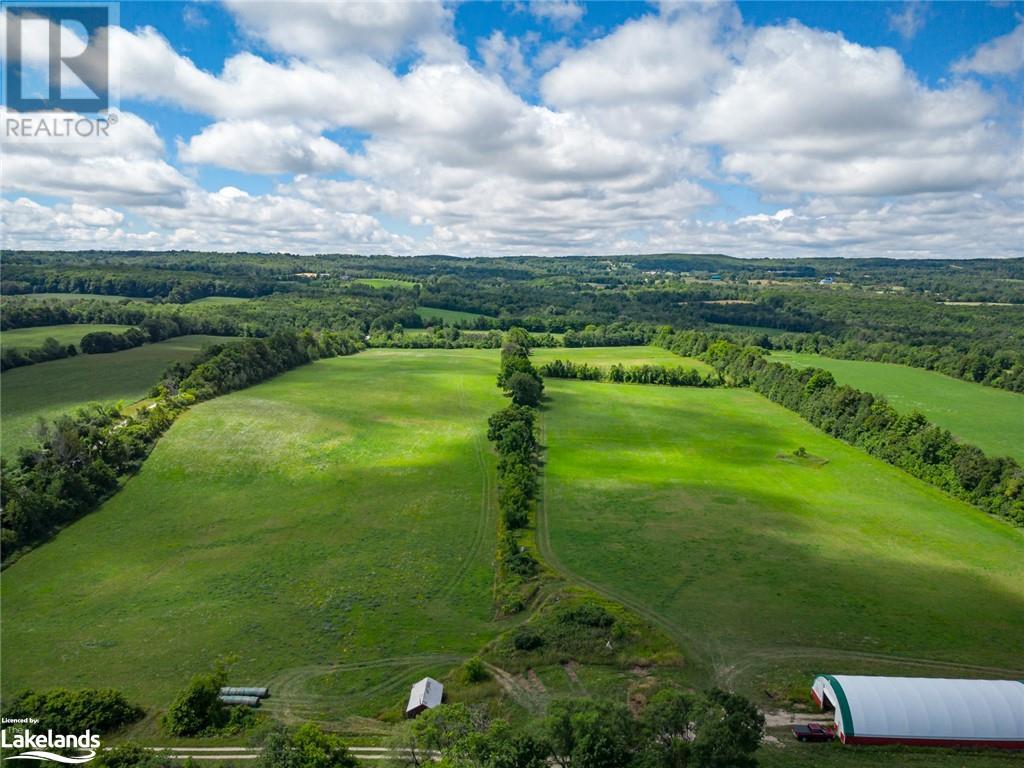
771, 128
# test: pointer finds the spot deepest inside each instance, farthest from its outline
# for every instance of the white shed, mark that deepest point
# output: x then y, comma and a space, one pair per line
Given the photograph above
924, 710
426, 694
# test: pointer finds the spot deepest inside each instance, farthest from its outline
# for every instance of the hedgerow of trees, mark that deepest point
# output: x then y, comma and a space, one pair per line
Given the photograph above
512, 431
669, 376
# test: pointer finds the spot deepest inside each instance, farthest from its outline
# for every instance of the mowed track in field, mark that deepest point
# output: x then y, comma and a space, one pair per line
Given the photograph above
676, 503
992, 419
330, 531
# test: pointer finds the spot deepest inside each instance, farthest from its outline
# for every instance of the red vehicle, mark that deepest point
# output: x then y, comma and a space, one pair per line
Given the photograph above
813, 732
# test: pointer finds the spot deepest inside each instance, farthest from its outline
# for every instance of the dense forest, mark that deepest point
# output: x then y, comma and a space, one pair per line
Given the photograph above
963, 318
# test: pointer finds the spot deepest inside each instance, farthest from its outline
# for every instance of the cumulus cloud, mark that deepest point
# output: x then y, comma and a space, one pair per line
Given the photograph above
662, 62
808, 111
1002, 56
128, 168
319, 30
257, 146
503, 56
616, 154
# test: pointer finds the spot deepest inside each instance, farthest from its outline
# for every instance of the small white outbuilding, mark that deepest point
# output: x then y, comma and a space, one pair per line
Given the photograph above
924, 710
426, 694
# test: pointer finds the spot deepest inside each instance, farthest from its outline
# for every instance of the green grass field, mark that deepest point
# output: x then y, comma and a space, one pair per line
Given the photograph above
385, 282
30, 338
687, 505
746, 329
608, 356
992, 419
48, 389
446, 316
221, 300
333, 529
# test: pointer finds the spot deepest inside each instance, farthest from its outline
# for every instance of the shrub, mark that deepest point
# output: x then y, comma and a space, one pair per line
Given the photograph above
197, 710
66, 711
474, 671
527, 639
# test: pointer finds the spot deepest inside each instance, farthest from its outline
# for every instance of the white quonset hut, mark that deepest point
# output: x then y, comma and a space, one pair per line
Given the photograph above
924, 710
426, 694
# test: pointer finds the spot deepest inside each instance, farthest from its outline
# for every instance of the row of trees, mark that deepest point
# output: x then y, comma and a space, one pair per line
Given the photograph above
676, 729
669, 376
517, 377
80, 458
13, 357
513, 433
169, 284
907, 441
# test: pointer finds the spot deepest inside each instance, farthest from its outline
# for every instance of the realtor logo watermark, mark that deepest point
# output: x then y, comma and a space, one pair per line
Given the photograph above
58, 80
38, 746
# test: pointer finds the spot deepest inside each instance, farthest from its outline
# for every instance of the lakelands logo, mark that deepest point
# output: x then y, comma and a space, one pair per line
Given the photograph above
39, 746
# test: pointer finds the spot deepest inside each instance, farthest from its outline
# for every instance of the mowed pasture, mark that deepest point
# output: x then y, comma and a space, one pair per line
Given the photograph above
221, 300
385, 282
46, 390
606, 357
72, 333
446, 316
688, 505
992, 419
332, 530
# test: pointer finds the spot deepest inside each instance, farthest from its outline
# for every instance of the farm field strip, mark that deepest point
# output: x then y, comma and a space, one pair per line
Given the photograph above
71, 333
328, 517
46, 390
990, 418
608, 356
684, 503
446, 315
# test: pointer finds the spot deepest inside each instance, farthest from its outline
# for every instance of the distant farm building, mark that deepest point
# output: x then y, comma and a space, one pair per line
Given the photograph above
924, 711
426, 694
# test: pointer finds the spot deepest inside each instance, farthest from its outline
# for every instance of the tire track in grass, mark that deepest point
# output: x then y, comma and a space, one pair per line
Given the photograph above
486, 519
547, 551
713, 659
290, 699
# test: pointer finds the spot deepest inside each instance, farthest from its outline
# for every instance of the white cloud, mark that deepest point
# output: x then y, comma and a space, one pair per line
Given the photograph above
1002, 56
256, 146
563, 14
126, 169
321, 30
613, 158
658, 61
910, 20
807, 111
503, 56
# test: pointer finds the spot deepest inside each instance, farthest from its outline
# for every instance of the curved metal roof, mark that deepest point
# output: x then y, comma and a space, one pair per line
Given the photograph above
925, 708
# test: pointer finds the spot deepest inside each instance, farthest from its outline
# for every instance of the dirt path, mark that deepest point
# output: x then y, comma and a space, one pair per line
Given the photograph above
292, 702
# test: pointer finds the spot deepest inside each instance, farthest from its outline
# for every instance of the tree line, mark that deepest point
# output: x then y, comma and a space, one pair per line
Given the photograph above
147, 329
513, 433
908, 441
675, 729
80, 458
669, 376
